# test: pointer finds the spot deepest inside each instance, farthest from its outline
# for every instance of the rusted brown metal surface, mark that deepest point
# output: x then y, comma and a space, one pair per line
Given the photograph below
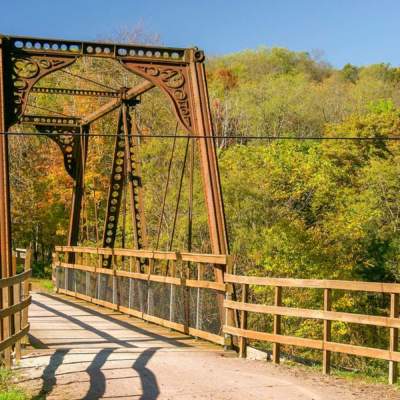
6, 297
74, 92
81, 151
177, 72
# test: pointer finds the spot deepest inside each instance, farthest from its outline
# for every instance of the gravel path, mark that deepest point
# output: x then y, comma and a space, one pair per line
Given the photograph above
88, 352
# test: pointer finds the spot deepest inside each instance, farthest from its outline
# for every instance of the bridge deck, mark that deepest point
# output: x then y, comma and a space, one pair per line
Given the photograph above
88, 352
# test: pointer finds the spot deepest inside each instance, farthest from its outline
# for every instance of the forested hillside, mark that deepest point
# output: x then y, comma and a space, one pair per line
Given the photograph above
295, 208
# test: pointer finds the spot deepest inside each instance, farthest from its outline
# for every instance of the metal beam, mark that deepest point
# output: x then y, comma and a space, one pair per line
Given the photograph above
31, 45
5, 219
6, 270
81, 155
75, 92
50, 120
114, 104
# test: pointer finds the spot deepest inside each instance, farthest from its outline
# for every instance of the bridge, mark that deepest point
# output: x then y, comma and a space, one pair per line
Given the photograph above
147, 274
84, 351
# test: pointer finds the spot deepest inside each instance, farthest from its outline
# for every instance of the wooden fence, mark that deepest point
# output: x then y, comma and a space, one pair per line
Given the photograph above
175, 270
171, 270
14, 311
392, 322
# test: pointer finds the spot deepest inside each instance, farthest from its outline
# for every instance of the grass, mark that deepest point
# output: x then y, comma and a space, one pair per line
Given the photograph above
370, 373
42, 285
370, 377
8, 390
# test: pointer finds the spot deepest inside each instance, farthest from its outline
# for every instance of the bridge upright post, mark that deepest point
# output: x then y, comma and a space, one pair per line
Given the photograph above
202, 126
78, 190
5, 219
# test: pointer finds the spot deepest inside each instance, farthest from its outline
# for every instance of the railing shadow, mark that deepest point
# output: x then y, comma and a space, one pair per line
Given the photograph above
126, 325
49, 379
97, 378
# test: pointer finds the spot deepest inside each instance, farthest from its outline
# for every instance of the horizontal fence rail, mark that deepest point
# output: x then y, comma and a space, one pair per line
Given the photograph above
14, 311
172, 289
277, 310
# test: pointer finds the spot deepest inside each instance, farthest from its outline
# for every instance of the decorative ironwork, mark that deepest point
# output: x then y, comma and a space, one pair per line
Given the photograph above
124, 165
75, 92
178, 72
66, 141
26, 71
115, 191
50, 120
173, 81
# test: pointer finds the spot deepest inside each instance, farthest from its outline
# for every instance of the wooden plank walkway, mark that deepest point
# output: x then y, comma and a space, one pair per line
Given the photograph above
88, 352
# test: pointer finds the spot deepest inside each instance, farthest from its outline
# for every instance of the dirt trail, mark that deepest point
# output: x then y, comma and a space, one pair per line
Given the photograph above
88, 352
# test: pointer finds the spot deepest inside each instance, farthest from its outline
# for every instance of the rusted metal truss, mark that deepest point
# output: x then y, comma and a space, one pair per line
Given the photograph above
67, 142
74, 92
178, 72
124, 165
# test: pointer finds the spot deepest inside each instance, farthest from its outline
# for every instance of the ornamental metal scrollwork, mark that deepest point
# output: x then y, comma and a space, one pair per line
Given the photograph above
173, 80
67, 142
26, 71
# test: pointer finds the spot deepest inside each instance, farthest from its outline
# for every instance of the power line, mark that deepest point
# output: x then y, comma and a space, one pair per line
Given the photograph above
249, 137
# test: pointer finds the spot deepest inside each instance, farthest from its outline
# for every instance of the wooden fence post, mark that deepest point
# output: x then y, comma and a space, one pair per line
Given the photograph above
243, 323
66, 259
17, 315
276, 347
229, 314
326, 358
6, 325
130, 282
25, 288
54, 269
394, 337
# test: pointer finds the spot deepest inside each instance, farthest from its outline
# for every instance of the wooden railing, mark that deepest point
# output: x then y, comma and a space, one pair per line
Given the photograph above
173, 269
14, 311
277, 338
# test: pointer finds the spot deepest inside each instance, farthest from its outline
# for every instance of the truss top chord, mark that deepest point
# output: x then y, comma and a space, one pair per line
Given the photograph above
107, 50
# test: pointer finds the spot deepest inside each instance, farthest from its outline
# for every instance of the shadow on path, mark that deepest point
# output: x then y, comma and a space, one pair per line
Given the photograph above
97, 378
123, 324
97, 386
147, 377
49, 373
83, 325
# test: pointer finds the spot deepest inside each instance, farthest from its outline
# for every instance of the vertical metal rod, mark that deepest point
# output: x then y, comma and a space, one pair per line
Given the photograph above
199, 316
114, 289
95, 213
178, 199
172, 294
166, 189
130, 285
66, 278
98, 286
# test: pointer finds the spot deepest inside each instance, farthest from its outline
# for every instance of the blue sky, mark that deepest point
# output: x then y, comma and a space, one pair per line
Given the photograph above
356, 31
